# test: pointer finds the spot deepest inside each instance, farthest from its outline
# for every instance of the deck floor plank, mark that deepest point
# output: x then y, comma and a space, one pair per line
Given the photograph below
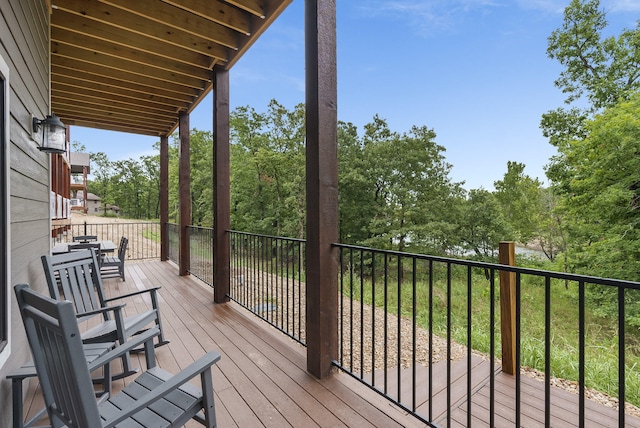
261, 379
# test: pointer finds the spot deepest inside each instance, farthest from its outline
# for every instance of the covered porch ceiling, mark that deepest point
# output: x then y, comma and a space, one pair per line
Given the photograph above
134, 65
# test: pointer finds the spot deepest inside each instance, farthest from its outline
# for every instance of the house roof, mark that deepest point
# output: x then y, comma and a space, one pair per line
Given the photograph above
90, 196
133, 66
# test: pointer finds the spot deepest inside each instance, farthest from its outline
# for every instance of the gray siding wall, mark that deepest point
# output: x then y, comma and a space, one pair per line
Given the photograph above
24, 46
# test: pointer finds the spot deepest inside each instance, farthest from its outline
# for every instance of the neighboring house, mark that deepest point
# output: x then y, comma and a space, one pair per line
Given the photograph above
80, 168
93, 203
112, 209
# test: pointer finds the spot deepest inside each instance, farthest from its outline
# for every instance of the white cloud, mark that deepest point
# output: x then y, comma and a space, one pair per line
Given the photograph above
427, 17
554, 6
558, 6
622, 5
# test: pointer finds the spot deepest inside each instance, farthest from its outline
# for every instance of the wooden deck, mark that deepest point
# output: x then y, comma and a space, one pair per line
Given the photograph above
261, 379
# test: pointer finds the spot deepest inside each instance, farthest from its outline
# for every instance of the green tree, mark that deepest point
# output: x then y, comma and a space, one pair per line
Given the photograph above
414, 198
102, 170
484, 224
599, 74
268, 170
600, 71
201, 157
151, 168
519, 199
356, 196
605, 194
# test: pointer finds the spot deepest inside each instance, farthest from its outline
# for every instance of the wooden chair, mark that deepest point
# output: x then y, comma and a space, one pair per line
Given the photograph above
75, 276
92, 351
113, 266
156, 398
85, 238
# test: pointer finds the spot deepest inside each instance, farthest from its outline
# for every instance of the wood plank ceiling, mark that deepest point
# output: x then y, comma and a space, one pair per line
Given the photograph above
134, 65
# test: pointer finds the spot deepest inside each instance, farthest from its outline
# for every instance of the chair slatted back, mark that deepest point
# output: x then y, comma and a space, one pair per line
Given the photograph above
56, 345
122, 248
75, 276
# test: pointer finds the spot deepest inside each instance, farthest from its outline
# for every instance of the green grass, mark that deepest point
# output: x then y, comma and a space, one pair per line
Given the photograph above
151, 233
601, 338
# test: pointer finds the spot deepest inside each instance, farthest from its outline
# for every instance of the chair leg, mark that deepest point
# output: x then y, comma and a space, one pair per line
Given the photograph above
154, 303
126, 368
208, 403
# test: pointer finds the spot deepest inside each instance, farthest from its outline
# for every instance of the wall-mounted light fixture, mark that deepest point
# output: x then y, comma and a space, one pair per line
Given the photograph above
54, 134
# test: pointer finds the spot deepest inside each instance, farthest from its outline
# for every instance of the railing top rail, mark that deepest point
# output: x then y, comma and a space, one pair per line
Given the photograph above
120, 223
496, 266
282, 238
198, 227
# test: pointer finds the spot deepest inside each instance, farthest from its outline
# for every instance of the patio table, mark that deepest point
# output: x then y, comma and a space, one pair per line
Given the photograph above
63, 247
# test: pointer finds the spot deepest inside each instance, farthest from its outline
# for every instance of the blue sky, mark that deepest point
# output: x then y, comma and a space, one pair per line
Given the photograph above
475, 71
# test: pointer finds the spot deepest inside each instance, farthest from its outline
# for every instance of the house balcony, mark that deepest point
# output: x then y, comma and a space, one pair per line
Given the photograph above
262, 378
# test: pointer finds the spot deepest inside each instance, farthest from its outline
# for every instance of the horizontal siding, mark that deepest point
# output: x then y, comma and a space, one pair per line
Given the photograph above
24, 46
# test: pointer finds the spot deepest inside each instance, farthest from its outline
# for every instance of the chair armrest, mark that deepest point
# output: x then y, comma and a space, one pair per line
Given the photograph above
114, 308
135, 293
199, 366
132, 343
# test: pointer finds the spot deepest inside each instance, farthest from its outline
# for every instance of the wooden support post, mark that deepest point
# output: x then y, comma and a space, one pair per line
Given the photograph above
221, 185
507, 256
322, 186
184, 178
164, 197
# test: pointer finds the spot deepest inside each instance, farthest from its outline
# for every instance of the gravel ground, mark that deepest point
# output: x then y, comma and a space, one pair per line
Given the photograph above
139, 247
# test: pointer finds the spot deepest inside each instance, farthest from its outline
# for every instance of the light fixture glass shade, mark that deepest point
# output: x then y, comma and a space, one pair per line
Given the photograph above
54, 134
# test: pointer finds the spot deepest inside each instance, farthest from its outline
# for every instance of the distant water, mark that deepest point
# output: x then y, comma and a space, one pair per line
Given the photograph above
530, 252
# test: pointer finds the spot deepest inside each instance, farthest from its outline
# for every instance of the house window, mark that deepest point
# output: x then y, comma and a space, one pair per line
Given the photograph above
4, 209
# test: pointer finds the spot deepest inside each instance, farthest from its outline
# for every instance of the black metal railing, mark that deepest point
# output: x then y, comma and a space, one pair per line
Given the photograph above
201, 253
267, 275
427, 332
408, 322
144, 237
173, 241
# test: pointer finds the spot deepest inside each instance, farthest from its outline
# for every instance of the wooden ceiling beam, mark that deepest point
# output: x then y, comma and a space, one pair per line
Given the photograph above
142, 25
71, 75
255, 7
219, 31
99, 124
258, 25
124, 76
67, 94
89, 30
94, 87
135, 65
118, 57
114, 117
110, 97
215, 11
66, 103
